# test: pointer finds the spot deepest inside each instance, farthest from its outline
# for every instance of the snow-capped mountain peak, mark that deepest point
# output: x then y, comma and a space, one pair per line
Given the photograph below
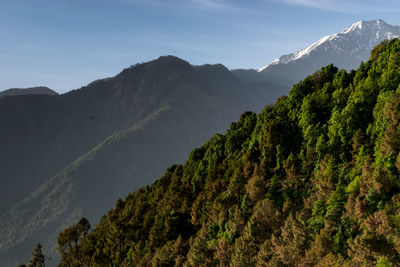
374, 25
353, 43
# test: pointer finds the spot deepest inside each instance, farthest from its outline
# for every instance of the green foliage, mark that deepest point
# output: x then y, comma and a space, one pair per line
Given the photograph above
383, 262
245, 207
338, 199
38, 259
373, 198
68, 242
310, 181
354, 186
318, 213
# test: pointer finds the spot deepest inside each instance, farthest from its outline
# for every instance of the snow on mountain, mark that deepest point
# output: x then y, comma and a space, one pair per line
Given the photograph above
355, 42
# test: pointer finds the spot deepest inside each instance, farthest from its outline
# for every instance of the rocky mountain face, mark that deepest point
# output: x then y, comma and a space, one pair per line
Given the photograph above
345, 50
71, 155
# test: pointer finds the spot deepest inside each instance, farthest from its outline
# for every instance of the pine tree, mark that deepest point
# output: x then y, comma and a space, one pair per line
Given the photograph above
245, 249
293, 242
38, 258
68, 241
199, 253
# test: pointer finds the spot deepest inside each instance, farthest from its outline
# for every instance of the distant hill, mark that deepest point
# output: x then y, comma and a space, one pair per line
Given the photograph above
40, 90
65, 156
345, 50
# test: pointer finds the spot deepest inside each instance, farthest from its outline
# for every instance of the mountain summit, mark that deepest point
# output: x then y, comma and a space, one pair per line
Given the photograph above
40, 90
346, 48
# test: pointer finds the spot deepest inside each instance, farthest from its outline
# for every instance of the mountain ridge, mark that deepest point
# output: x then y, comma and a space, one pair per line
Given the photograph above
39, 90
139, 122
378, 28
345, 49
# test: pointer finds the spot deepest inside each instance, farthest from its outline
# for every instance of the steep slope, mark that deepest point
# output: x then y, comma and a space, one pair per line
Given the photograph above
40, 90
162, 109
41, 135
345, 50
310, 181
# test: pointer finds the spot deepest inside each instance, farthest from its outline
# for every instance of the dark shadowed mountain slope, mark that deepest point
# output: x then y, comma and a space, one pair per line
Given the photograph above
106, 139
40, 90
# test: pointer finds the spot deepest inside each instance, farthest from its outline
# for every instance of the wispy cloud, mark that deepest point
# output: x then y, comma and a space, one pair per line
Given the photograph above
320, 4
204, 5
357, 6
210, 4
218, 5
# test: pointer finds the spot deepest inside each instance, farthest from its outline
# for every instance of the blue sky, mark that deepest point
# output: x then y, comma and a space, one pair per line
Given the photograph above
65, 44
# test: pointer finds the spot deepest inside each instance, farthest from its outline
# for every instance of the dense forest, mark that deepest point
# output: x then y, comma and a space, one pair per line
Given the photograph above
312, 180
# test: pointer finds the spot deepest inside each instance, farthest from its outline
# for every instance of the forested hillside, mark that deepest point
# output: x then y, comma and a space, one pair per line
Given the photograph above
311, 181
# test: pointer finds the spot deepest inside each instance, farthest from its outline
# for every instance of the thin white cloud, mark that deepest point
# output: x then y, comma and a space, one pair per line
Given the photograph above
357, 6
217, 5
324, 4
209, 4
204, 5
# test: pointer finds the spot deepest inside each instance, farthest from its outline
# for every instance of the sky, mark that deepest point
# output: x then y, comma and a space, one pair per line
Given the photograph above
66, 44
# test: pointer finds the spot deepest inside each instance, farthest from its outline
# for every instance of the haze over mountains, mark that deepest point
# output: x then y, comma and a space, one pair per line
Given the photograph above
345, 50
72, 155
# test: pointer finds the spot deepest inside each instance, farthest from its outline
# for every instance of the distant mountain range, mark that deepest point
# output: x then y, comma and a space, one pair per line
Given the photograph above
40, 90
72, 155
345, 50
